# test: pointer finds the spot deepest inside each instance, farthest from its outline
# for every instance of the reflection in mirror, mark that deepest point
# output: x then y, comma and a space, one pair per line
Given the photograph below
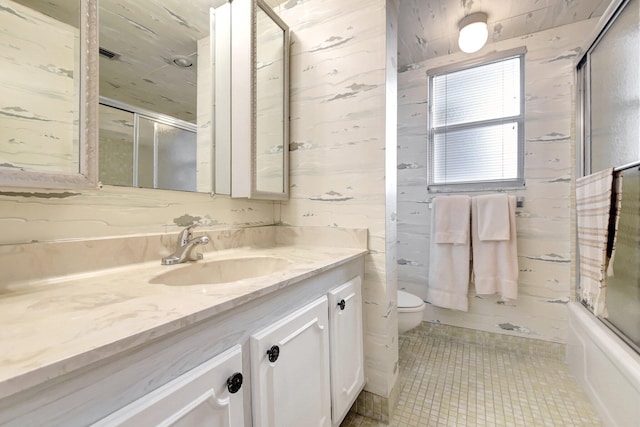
40, 86
145, 150
116, 140
270, 104
155, 58
176, 158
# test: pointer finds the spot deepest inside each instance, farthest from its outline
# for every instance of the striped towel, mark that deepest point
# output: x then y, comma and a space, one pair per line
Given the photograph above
593, 204
613, 224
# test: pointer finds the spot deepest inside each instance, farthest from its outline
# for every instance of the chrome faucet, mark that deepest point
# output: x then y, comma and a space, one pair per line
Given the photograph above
186, 243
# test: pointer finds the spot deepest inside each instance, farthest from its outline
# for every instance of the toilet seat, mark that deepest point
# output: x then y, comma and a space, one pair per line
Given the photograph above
408, 303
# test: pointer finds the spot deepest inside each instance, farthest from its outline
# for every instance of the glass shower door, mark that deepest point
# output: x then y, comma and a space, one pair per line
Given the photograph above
623, 283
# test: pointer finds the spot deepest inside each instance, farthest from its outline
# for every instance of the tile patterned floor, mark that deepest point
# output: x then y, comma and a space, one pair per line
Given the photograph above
446, 382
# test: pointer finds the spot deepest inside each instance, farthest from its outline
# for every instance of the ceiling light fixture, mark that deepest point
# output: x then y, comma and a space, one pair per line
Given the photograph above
181, 61
473, 32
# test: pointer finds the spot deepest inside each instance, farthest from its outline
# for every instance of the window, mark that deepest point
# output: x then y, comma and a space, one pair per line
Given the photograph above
476, 125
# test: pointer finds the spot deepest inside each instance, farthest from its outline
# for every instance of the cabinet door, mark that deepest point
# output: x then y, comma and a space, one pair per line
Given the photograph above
347, 357
207, 395
290, 381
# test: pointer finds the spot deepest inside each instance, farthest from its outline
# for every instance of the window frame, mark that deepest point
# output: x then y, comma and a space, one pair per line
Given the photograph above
502, 184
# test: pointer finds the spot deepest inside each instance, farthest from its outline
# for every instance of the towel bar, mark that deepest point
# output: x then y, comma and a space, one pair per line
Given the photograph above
519, 202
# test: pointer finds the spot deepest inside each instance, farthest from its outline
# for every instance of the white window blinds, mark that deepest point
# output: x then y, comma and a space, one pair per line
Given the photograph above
476, 126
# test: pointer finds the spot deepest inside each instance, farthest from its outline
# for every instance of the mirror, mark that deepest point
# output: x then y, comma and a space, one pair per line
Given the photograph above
261, 99
46, 93
156, 92
271, 102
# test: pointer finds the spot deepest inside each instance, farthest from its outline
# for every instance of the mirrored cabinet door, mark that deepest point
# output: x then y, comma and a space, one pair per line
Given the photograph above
48, 92
270, 100
163, 62
260, 111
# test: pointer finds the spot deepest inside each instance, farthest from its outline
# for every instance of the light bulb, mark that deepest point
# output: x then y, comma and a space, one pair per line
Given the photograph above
473, 32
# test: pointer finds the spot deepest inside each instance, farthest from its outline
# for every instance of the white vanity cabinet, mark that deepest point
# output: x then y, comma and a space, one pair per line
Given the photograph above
346, 343
180, 378
307, 369
290, 379
209, 394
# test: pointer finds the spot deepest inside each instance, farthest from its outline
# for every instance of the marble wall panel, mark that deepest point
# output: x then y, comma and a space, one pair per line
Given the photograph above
544, 223
341, 78
543, 157
28, 215
531, 317
322, 236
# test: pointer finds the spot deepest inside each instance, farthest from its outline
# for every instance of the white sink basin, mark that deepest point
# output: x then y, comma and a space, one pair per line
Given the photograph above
221, 271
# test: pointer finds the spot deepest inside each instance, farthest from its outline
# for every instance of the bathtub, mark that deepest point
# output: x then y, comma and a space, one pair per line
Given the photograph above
606, 368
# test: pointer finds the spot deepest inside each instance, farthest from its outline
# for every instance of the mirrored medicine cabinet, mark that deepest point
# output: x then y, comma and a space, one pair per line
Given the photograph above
171, 113
48, 93
260, 88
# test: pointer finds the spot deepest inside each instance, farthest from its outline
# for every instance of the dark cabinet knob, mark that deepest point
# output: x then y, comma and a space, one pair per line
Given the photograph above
234, 382
342, 304
273, 353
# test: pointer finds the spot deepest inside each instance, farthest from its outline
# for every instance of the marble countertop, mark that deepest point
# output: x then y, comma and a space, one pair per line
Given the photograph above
64, 324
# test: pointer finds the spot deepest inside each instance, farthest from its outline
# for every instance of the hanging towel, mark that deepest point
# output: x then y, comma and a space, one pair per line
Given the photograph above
448, 284
593, 206
493, 217
495, 262
452, 220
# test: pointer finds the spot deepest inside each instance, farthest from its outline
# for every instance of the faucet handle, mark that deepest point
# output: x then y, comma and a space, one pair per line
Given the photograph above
185, 235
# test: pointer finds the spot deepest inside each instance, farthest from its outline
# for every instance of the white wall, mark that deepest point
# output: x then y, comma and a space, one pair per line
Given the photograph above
544, 223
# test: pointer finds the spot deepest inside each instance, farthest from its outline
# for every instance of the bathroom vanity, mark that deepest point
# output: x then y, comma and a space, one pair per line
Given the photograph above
265, 330
119, 347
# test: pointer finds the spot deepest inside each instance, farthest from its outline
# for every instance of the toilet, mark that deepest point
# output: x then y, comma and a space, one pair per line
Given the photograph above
410, 309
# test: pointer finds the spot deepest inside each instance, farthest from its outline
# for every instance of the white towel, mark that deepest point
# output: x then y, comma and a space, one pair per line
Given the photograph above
452, 220
493, 217
495, 262
448, 284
